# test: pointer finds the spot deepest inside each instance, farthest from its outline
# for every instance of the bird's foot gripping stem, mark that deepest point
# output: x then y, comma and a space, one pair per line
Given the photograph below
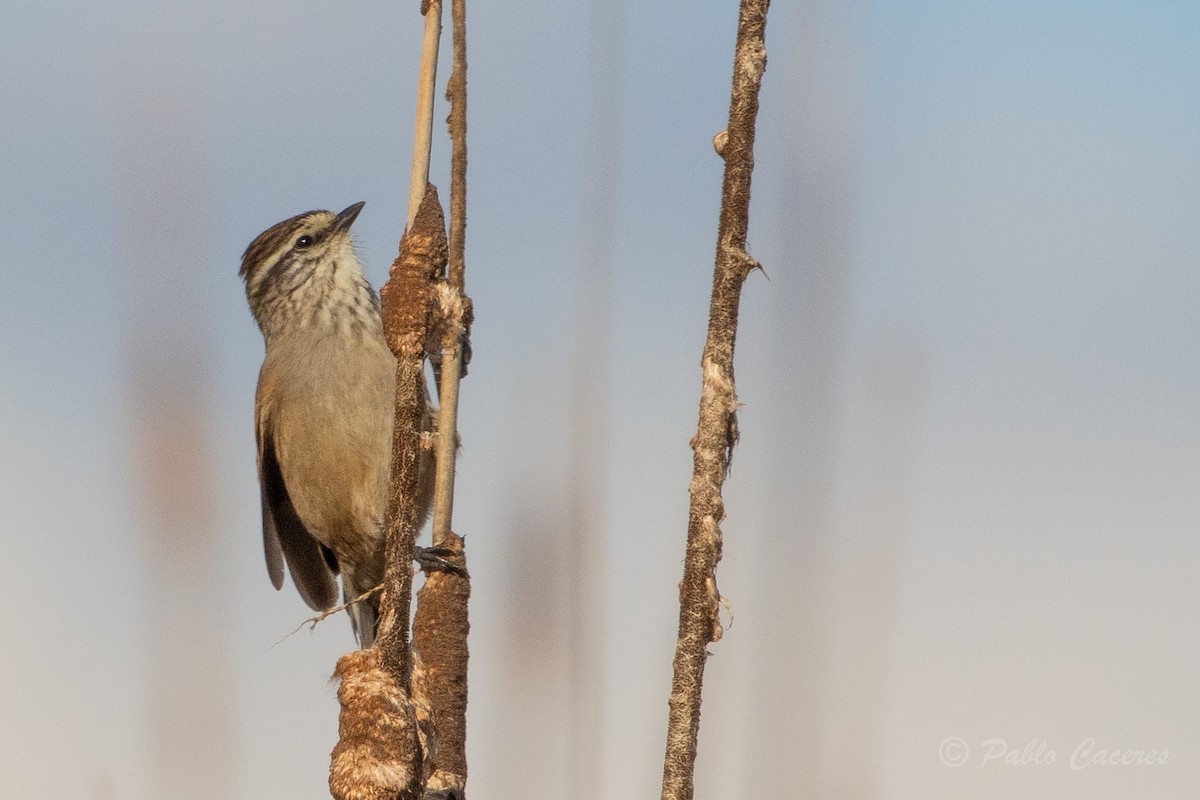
437, 559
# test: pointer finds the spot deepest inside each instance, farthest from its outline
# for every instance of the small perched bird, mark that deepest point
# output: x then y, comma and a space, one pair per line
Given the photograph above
323, 412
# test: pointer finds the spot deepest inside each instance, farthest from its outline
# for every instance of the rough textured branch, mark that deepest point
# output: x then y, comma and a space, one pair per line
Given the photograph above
440, 631
716, 432
382, 751
409, 305
441, 624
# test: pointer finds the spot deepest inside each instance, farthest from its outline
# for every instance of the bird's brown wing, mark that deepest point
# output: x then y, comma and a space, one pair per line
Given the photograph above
285, 538
271, 546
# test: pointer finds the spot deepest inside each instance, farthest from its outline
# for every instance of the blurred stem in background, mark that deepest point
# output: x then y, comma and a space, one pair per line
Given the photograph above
587, 484
187, 664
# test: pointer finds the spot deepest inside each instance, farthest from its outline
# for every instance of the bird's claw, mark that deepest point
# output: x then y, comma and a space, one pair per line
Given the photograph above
437, 559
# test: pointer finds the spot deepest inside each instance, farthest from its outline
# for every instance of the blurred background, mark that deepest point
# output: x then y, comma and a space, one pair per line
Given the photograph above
961, 549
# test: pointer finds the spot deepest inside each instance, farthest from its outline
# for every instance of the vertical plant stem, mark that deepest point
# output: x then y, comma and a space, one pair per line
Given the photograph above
426, 84
440, 629
455, 308
586, 533
408, 300
456, 93
442, 624
716, 432
382, 751
445, 445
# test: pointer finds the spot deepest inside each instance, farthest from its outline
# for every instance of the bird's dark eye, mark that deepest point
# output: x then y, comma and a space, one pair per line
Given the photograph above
304, 242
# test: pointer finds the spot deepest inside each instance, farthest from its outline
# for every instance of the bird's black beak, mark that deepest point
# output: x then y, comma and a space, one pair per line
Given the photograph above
343, 221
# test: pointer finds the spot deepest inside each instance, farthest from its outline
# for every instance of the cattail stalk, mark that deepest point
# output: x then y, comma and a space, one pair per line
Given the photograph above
441, 624
426, 86
716, 432
456, 307
384, 727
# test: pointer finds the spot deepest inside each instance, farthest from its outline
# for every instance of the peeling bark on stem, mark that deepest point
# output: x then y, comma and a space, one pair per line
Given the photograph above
716, 433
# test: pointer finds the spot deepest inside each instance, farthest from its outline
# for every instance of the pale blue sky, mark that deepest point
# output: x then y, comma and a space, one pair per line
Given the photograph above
965, 496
